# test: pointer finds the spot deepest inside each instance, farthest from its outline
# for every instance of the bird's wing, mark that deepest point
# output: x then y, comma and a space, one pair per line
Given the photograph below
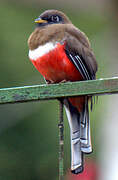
79, 52
77, 59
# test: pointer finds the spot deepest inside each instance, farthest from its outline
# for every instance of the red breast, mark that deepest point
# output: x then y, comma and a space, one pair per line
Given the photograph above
55, 65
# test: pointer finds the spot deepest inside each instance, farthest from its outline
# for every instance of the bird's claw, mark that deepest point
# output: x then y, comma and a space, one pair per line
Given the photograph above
64, 81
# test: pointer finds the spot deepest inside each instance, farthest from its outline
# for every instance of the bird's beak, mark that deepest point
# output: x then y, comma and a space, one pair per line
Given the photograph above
39, 20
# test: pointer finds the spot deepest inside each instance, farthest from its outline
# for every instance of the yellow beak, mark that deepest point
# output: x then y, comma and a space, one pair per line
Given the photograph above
39, 20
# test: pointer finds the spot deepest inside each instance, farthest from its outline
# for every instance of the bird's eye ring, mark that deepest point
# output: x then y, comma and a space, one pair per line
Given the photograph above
55, 18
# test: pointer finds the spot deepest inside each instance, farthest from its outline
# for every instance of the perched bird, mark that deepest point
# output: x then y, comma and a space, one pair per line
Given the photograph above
61, 53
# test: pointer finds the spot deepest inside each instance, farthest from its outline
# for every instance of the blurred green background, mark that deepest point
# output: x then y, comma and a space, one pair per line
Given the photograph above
29, 131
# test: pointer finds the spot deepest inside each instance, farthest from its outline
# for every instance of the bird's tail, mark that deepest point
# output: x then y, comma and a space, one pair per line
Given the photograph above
80, 134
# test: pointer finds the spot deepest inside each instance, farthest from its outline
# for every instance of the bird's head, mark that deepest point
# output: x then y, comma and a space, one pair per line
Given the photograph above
52, 17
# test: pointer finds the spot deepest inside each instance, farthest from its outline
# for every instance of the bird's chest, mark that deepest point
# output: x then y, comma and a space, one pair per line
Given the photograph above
52, 62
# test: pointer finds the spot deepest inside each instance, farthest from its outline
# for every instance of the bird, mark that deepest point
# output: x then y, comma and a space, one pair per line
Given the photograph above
61, 52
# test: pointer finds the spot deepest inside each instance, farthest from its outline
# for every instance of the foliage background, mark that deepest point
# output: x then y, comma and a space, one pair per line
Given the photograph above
29, 131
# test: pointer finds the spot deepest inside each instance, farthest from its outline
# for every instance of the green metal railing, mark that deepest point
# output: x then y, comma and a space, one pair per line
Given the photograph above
53, 91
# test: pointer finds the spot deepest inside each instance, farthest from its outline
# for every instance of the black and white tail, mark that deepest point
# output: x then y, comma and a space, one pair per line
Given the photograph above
79, 133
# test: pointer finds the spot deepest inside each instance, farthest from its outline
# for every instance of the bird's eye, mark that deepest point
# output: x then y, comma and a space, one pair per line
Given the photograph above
55, 18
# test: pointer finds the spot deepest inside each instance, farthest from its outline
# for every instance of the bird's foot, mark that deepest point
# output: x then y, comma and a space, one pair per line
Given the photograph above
49, 81
52, 82
64, 81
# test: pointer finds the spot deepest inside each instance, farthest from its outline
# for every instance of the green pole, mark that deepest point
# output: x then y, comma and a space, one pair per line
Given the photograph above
61, 142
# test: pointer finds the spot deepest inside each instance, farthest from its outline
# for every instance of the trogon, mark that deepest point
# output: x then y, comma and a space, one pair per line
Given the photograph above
62, 53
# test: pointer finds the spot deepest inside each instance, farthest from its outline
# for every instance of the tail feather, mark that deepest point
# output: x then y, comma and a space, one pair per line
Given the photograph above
86, 146
79, 133
75, 126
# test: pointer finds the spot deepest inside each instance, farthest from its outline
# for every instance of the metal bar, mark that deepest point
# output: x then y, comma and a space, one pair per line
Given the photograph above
61, 142
43, 92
